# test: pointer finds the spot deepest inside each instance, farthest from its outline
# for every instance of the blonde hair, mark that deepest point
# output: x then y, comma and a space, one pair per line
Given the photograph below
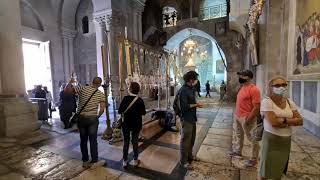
269, 92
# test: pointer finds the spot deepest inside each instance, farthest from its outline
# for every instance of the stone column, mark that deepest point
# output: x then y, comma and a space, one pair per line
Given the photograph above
138, 6
100, 24
17, 115
271, 32
68, 56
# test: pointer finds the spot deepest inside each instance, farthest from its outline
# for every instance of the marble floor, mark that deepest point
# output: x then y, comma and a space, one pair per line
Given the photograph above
54, 153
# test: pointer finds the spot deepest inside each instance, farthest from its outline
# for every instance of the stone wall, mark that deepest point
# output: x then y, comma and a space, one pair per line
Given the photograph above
85, 44
277, 49
235, 56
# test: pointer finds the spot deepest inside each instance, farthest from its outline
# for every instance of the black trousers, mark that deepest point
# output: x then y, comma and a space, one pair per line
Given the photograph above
88, 128
208, 93
126, 142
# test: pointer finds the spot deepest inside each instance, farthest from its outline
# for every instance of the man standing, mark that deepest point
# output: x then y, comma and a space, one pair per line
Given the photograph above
208, 89
188, 108
89, 100
198, 88
247, 110
223, 90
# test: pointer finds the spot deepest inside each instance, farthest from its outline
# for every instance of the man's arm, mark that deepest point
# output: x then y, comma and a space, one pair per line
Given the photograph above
101, 110
184, 102
254, 112
69, 89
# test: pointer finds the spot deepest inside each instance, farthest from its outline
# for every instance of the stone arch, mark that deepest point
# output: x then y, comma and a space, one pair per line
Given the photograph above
234, 55
68, 13
29, 16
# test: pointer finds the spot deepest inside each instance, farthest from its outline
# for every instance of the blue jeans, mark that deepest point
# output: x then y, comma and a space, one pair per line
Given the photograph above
88, 128
126, 142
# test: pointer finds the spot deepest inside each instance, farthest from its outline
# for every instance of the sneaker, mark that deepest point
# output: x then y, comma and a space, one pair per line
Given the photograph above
124, 164
232, 153
86, 164
250, 163
97, 164
136, 162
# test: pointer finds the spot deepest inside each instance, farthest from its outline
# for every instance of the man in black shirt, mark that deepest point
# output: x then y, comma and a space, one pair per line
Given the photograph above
188, 107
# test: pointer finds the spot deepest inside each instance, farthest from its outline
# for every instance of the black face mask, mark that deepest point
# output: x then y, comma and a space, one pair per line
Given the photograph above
241, 80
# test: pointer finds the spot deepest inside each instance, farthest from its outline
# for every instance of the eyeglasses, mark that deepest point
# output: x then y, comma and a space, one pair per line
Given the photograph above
280, 85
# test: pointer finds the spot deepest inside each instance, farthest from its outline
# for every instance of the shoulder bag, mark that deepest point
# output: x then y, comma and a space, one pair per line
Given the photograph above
75, 117
118, 123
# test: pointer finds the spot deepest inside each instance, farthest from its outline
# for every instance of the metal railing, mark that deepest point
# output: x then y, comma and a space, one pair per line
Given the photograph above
213, 12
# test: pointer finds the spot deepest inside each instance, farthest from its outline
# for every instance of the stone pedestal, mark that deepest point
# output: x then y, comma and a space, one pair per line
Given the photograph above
17, 116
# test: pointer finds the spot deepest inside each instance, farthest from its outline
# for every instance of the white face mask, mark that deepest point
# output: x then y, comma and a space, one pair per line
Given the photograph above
280, 91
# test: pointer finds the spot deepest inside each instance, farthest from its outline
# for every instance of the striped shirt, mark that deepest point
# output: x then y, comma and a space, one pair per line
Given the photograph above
84, 93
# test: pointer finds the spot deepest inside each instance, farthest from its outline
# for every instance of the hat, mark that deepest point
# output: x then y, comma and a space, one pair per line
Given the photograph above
246, 73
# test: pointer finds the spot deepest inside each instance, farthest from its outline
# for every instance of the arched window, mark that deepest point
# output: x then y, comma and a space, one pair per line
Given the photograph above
211, 9
169, 16
85, 25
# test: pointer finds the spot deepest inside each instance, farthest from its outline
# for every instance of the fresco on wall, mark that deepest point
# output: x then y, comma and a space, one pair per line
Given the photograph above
307, 59
220, 66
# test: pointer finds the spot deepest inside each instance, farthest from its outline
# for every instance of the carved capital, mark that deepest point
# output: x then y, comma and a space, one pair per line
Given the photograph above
109, 18
68, 33
138, 6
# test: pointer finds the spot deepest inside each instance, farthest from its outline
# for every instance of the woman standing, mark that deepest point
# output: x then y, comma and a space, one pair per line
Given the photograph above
280, 114
133, 109
67, 106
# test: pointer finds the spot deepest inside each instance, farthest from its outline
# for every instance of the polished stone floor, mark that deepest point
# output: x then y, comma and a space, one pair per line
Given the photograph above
54, 153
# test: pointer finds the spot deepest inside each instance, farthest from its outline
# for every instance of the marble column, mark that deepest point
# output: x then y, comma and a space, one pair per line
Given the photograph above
17, 114
68, 55
100, 24
270, 50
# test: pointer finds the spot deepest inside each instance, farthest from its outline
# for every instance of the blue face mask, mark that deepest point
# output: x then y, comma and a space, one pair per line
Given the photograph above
280, 91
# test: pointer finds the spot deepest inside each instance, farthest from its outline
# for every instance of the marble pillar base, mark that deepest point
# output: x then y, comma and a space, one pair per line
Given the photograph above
17, 116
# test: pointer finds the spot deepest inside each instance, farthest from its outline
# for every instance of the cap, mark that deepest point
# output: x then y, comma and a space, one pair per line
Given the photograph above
246, 73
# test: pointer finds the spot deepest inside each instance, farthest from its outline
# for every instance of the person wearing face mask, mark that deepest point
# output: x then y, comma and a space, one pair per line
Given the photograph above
188, 106
247, 110
280, 114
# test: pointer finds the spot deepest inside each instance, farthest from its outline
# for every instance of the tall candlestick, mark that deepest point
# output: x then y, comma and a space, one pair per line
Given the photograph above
125, 32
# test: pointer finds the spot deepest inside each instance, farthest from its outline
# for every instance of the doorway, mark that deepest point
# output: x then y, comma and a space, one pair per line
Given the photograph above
37, 66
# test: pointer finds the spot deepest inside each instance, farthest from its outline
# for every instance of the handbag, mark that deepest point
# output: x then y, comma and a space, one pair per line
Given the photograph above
118, 123
257, 131
75, 117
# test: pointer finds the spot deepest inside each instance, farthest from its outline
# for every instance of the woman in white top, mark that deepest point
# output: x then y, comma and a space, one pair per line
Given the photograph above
280, 114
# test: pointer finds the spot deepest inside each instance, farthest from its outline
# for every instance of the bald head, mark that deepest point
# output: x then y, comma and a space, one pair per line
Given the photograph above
97, 82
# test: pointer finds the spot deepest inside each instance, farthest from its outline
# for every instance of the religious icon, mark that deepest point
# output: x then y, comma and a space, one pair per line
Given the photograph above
219, 66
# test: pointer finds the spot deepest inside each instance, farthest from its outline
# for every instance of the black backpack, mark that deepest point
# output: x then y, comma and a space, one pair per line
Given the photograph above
176, 104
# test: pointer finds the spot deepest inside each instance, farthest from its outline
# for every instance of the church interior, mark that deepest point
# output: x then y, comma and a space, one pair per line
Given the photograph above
46, 43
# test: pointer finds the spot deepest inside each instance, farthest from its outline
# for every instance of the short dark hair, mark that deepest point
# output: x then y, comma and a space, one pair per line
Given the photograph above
97, 80
191, 75
134, 88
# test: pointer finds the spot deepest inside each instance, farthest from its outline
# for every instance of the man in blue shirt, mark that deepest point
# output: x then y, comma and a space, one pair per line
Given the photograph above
188, 107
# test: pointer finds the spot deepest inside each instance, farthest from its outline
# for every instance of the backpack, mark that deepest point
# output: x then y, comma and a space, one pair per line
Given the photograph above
176, 104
